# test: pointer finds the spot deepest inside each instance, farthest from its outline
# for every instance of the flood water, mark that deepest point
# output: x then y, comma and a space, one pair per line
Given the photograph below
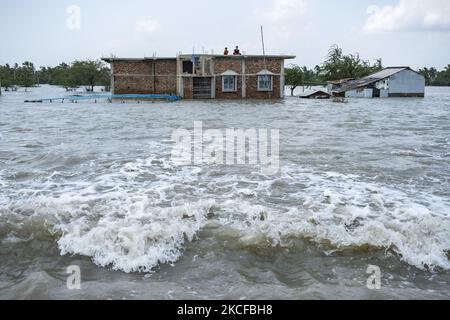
93, 185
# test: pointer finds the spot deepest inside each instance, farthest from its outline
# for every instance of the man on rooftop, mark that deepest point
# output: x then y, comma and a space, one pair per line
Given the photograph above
237, 52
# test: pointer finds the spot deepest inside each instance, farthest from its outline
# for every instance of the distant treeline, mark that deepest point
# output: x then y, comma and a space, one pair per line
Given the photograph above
70, 76
96, 73
338, 65
436, 78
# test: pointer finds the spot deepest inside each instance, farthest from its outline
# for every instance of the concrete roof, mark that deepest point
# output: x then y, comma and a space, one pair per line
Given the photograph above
265, 72
230, 73
286, 57
252, 56
136, 59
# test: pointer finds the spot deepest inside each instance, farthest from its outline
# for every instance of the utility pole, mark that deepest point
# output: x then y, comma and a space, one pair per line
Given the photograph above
263, 44
264, 57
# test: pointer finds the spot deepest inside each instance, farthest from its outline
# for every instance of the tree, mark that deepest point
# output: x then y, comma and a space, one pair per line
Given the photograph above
26, 75
296, 76
430, 75
63, 76
7, 76
443, 77
90, 73
293, 78
339, 66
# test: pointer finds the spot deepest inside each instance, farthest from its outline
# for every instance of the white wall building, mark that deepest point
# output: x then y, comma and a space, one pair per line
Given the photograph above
390, 82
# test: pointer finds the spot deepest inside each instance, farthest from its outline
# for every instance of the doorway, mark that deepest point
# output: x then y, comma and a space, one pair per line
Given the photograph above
202, 87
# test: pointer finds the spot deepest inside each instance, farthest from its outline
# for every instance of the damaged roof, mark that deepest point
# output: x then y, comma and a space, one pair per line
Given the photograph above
370, 79
315, 94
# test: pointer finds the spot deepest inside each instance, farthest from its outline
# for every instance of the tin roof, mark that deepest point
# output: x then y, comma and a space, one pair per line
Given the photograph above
386, 73
372, 78
312, 93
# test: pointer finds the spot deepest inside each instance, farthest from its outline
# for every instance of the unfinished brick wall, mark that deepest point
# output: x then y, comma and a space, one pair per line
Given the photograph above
228, 95
224, 64
188, 88
160, 77
253, 93
133, 85
132, 67
166, 77
145, 77
255, 65
252, 67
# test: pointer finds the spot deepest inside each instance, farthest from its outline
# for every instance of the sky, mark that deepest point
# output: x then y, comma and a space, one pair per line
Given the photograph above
412, 33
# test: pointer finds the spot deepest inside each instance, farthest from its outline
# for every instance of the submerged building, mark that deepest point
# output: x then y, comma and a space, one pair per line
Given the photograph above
201, 76
390, 82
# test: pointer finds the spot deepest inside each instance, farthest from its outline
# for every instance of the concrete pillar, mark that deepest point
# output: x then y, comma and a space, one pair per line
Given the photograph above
244, 79
282, 80
213, 87
181, 89
179, 77
112, 78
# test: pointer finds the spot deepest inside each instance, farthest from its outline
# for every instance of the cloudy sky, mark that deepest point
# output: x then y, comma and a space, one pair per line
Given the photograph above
402, 32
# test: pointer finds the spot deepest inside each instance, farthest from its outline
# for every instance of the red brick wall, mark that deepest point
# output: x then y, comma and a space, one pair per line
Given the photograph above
133, 67
253, 93
166, 77
256, 65
253, 66
159, 76
188, 88
145, 77
224, 64
133, 85
228, 95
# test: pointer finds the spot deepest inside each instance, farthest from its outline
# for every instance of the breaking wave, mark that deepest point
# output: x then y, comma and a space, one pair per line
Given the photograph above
141, 214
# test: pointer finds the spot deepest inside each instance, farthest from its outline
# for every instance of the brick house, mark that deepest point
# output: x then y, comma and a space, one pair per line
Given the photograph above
201, 76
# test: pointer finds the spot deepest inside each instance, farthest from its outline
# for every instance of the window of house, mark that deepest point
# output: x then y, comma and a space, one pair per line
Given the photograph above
265, 83
229, 83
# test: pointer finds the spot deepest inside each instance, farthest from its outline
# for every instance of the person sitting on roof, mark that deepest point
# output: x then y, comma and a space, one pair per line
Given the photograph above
225, 53
237, 52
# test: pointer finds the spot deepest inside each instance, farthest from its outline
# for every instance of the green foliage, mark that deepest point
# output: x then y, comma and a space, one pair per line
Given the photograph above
62, 76
90, 73
23, 75
6, 76
436, 78
340, 66
94, 73
429, 74
79, 73
296, 76
26, 75
443, 77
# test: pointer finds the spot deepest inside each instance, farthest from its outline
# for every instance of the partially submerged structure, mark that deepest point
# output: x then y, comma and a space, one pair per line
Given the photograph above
316, 94
201, 76
390, 82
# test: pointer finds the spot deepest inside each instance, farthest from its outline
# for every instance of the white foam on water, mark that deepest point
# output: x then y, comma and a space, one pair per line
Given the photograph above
128, 227
3, 184
139, 241
348, 213
141, 214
